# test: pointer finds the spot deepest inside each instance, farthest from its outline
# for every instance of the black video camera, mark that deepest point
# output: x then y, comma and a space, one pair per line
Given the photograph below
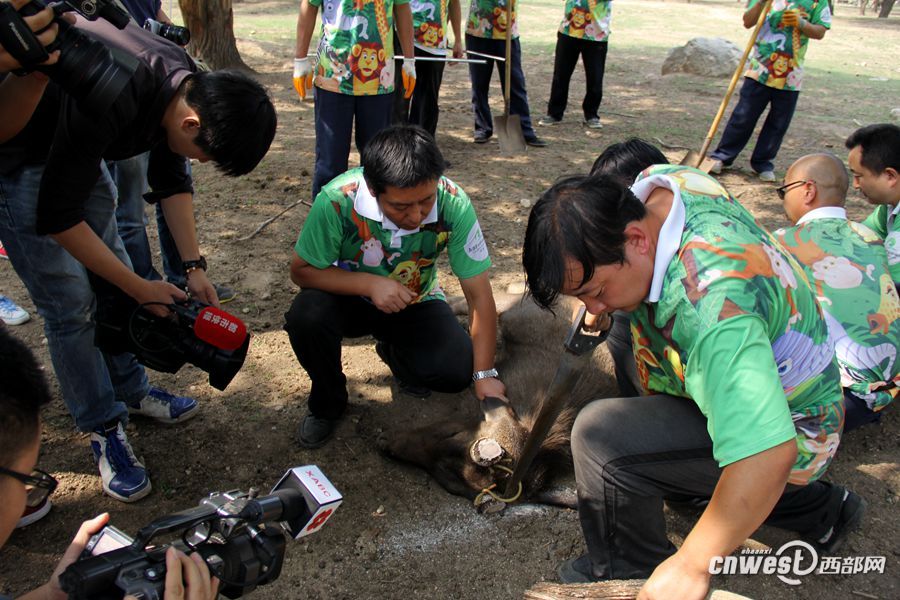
173, 33
207, 337
87, 70
240, 536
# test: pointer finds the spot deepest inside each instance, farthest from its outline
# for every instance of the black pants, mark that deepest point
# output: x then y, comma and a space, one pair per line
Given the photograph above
632, 453
422, 109
622, 352
426, 344
480, 75
593, 55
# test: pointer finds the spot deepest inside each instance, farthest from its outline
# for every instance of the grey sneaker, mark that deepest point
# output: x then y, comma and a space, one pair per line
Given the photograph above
716, 167
548, 120
576, 570
767, 176
593, 123
315, 431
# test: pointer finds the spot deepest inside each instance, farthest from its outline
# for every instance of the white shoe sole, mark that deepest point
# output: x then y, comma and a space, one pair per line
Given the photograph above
35, 516
161, 419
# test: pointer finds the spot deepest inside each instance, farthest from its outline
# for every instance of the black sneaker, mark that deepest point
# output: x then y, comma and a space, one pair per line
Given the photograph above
536, 142
576, 570
481, 137
315, 431
225, 293
852, 510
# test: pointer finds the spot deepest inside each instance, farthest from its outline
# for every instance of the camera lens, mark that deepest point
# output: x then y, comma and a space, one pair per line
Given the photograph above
87, 71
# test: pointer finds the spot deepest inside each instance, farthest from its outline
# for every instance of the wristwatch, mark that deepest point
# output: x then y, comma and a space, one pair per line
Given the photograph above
192, 265
479, 375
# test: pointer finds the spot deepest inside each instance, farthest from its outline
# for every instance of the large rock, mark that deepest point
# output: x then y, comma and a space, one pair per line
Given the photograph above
895, 112
710, 57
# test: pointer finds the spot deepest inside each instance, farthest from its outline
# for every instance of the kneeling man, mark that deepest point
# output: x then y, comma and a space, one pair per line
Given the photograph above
366, 263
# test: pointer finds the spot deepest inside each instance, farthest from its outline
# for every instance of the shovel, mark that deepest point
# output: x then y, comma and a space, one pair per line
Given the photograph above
579, 346
699, 159
509, 127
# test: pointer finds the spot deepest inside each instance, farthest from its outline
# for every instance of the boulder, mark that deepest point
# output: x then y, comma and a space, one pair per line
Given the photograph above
710, 57
895, 112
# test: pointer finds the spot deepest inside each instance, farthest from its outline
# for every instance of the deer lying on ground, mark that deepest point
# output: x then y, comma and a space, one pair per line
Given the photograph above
468, 456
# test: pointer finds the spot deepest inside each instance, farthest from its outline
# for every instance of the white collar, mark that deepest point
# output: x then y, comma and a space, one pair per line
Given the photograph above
669, 239
824, 212
366, 205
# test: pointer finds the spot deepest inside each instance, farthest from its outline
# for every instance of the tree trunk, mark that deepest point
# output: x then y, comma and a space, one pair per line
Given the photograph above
886, 7
617, 589
212, 33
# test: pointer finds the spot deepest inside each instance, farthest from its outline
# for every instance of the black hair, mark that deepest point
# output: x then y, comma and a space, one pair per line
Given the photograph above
880, 146
402, 156
237, 118
23, 392
625, 160
582, 218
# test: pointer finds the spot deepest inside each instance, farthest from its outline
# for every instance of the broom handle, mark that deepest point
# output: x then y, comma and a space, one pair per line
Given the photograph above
508, 65
734, 79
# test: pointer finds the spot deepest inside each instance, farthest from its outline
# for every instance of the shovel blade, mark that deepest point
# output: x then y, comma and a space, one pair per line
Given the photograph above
694, 159
509, 134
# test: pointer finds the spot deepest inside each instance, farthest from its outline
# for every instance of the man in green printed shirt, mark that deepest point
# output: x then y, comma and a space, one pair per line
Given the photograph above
773, 79
875, 163
584, 31
846, 265
486, 33
353, 75
743, 403
366, 263
430, 21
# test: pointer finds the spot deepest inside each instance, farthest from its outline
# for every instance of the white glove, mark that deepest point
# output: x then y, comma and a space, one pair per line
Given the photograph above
302, 76
408, 74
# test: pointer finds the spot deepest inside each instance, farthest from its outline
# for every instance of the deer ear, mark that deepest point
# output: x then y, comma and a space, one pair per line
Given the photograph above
494, 409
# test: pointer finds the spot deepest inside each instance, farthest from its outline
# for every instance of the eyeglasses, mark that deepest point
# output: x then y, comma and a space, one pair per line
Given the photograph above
783, 190
39, 485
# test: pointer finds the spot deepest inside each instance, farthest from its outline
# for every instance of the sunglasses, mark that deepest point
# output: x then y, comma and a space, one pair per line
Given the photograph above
39, 485
783, 190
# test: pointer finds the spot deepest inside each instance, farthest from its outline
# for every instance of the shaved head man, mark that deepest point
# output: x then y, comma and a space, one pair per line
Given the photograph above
847, 266
814, 181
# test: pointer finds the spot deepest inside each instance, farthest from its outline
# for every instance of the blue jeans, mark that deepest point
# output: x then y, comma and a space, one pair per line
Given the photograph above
95, 386
335, 114
754, 99
130, 176
481, 82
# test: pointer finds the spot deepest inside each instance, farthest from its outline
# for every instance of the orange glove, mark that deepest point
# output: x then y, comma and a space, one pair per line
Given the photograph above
303, 76
408, 73
792, 17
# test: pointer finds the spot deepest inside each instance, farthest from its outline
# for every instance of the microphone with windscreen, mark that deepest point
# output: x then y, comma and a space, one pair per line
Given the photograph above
196, 333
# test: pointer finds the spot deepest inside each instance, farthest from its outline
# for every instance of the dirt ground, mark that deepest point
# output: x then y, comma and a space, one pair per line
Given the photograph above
399, 535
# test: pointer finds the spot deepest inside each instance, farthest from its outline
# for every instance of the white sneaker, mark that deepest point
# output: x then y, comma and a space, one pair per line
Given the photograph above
767, 176
11, 313
716, 167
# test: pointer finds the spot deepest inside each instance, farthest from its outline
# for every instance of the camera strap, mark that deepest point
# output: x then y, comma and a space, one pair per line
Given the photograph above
18, 39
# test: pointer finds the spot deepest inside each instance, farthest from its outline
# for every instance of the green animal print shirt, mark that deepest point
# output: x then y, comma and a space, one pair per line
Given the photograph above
885, 222
487, 19
346, 228
430, 24
847, 268
587, 20
731, 323
356, 47
777, 59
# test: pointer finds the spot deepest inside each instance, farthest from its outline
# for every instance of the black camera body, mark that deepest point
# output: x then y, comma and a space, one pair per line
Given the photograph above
173, 33
87, 70
240, 535
161, 343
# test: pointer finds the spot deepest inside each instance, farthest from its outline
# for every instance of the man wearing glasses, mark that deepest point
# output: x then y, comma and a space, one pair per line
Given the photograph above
23, 393
847, 267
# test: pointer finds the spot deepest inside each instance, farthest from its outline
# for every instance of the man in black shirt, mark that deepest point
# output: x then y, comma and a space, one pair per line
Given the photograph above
57, 206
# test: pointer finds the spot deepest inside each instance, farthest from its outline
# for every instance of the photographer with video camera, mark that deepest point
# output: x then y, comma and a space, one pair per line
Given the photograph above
59, 200
23, 394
